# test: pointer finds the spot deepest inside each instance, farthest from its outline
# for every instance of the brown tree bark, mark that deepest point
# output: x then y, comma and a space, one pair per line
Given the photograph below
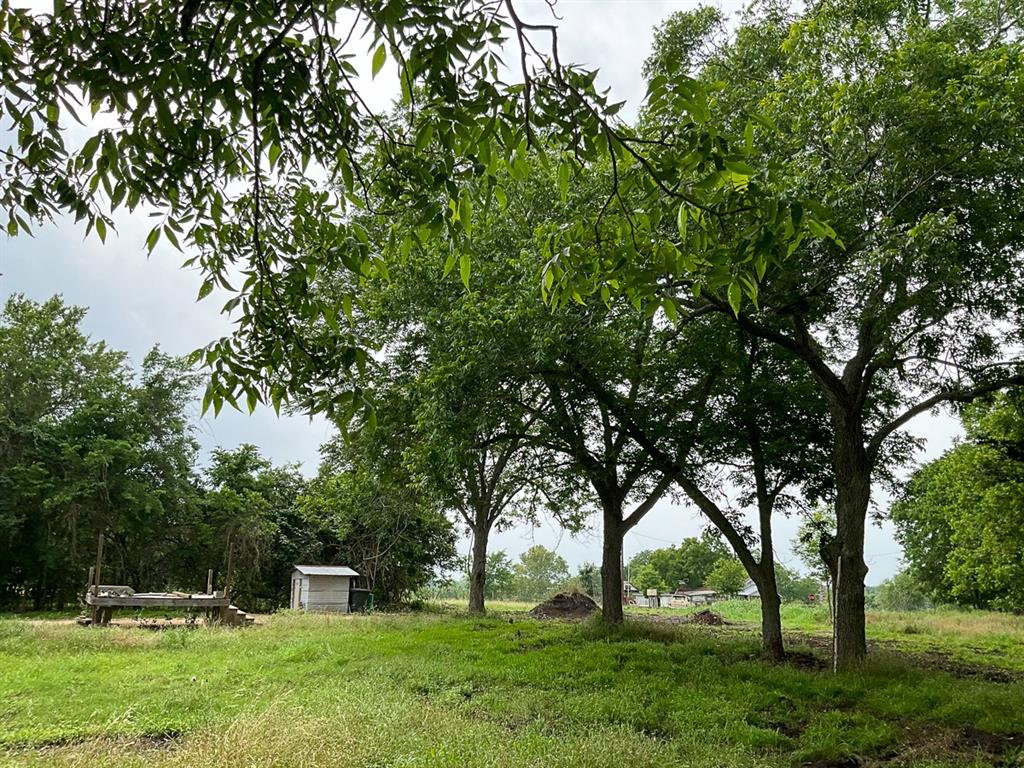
852, 468
478, 563
611, 565
772, 644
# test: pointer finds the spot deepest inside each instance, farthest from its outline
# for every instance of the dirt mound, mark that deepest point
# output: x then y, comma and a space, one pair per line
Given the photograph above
565, 605
708, 619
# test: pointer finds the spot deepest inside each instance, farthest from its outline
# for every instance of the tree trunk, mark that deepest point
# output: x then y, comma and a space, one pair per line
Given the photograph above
478, 564
853, 493
771, 617
611, 565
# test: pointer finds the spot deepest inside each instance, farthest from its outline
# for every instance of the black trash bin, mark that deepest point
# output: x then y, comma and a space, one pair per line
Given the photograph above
359, 600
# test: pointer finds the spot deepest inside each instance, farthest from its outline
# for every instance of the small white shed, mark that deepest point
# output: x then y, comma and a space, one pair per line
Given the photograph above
322, 587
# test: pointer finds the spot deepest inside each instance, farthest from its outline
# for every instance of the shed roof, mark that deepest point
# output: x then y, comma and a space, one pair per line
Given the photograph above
325, 570
749, 589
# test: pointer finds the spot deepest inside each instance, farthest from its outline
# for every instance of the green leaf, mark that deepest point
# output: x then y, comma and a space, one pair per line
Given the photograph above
169, 234
739, 167
464, 268
748, 137
101, 229
735, 297
275, 152
681, 218
466, 212
251, 399
205, 289
563, 181
379, 57
423, 135
90, 146
670, 310
207, 399
154, 236
449, 264
760, 265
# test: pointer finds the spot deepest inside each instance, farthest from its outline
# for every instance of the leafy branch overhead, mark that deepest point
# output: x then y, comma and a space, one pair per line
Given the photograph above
244, 127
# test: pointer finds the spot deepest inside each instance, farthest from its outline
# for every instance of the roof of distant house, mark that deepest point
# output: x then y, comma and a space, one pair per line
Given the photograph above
325, 570
749, 589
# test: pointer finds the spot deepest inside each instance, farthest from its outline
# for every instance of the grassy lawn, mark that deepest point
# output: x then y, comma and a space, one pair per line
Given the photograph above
450, 690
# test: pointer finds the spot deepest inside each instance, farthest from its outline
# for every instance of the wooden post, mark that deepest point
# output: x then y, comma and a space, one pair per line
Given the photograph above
99, 566
94, 578
88, 589
209, 591
231, 569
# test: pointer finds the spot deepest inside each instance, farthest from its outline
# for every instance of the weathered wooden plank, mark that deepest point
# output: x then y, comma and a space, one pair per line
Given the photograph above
157, 601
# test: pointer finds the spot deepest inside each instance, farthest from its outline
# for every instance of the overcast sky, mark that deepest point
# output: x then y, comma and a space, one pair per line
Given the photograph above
136, 302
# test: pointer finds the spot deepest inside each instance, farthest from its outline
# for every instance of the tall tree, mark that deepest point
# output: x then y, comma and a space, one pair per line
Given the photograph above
760, 429
443, 347
904, 121
381, 522
539, 572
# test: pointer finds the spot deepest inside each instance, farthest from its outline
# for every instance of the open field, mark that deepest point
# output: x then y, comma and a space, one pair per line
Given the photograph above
437, 689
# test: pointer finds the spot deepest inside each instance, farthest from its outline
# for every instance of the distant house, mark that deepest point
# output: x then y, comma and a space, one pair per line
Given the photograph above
700, 596
322, 588
666, 600
749, 591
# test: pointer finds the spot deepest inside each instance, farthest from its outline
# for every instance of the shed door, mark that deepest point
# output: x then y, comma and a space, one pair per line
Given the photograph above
296, 588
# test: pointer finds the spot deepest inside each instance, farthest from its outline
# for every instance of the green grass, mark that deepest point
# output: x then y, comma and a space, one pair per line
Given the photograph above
971, 637
450, 690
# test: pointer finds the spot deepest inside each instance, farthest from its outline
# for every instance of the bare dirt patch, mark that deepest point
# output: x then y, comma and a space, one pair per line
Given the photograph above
925, 745
936, 660
968, 744
571, 606
705, 618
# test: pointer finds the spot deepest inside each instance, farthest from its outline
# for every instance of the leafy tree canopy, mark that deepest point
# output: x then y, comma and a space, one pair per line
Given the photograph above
539, 572
242, 125
961, 517
902, 592
687, 565
727, 577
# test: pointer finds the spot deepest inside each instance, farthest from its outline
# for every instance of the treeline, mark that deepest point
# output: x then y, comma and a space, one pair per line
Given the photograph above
695, 562
708, 562
537, 574
961, 517
89, 445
